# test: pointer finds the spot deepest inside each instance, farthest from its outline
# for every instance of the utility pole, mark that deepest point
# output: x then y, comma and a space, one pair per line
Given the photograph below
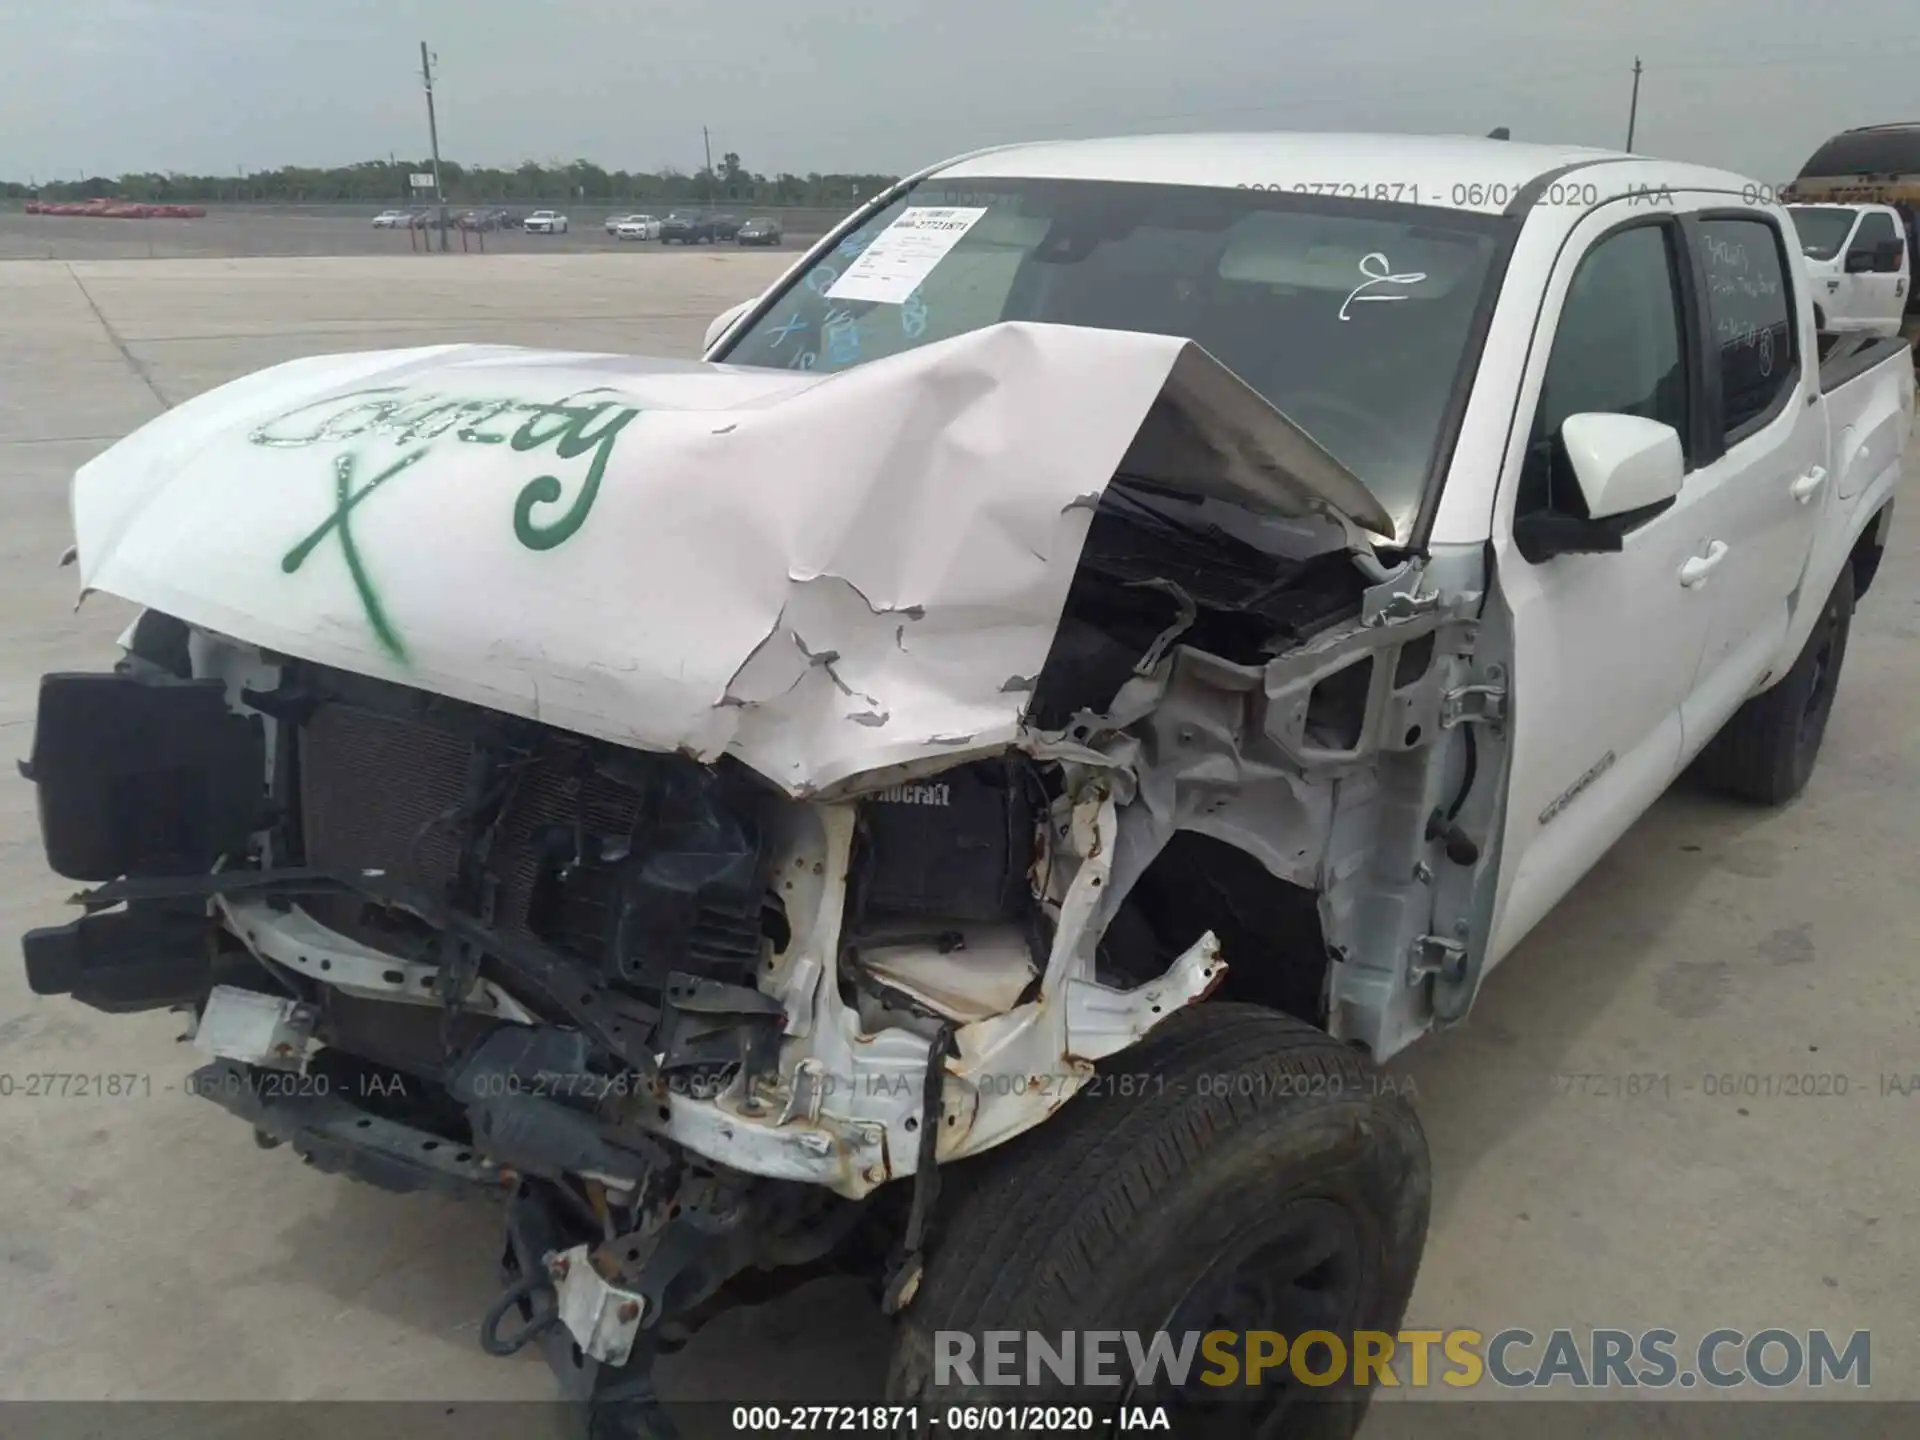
707, 144
1633, 107
433, 136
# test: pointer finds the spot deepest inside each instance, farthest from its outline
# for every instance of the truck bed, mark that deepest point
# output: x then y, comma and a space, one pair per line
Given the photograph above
1847, 357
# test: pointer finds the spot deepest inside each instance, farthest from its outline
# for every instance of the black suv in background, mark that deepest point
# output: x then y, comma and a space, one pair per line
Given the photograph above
686, 229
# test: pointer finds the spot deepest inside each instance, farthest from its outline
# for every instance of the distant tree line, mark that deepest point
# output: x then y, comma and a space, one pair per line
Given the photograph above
385, 181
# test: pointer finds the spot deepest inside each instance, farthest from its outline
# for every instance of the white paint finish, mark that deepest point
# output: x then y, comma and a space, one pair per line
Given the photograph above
602, 1317
256, 1029
1641, 655
309, 1286
980, 980
294, 940
1622, 461
1747, 504
1605, 651
823, 575
1879, 406
1103, 1022
1869, 302
1426, 168
1629, 188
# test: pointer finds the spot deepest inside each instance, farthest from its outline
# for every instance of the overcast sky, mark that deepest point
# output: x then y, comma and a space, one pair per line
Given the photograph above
107, 86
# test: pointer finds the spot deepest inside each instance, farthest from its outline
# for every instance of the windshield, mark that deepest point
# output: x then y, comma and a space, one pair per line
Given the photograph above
1823, 229
1351, 317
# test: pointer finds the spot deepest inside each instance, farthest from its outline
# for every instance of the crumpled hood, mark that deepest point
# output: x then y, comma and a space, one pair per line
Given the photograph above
821, 574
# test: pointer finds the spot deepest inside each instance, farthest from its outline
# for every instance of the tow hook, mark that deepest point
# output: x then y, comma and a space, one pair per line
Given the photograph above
521, 1295
602, 1317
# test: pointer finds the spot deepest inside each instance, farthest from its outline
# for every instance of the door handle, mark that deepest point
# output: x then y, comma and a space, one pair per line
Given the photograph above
1696, 570
1808, 485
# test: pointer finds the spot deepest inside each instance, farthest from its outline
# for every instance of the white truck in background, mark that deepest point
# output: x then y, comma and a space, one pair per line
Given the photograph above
966, 785
1857, 265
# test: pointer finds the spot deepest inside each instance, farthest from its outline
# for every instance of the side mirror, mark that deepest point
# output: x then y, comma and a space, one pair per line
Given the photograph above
724, 323
1627, 469
1623, 463
1888, 257
1859, 262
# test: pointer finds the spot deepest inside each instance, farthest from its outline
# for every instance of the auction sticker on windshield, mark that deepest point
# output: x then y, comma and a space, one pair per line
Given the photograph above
904, 254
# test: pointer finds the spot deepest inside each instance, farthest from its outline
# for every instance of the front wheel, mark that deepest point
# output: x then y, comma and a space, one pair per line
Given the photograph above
1238, 1171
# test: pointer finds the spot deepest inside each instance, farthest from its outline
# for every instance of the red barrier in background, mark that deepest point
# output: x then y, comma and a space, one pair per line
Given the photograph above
116, 209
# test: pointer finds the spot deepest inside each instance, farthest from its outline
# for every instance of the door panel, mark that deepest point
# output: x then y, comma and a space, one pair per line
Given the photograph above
1606, 646
1879, 294
1762, 498
1845, 300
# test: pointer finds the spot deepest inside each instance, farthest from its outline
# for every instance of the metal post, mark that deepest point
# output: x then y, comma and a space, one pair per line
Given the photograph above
708, 145
433, 136
1633, 107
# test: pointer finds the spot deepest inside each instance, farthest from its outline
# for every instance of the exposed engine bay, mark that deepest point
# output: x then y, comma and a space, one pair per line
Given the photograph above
693, 1020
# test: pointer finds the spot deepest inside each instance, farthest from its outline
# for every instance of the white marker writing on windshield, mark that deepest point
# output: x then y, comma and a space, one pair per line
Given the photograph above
1378, 272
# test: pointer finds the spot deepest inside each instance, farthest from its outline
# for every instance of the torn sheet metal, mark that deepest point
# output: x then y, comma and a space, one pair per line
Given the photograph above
822, 575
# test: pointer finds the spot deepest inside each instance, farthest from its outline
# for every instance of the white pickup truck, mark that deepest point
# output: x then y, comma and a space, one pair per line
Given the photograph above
965, 784
1857, 266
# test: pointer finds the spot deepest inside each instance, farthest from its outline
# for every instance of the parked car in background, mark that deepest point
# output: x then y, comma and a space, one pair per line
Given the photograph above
391, 220
476, 220
686, 229
758, 232
637, 227
1857, 266
613, 222
545, 222
428, 219
725, 227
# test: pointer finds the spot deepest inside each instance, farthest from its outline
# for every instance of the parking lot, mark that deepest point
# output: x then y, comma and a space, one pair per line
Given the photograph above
149, 1250
333, 230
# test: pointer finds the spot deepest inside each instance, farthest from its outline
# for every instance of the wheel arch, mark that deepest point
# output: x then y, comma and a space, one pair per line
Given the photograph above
1269, 927
1869, 550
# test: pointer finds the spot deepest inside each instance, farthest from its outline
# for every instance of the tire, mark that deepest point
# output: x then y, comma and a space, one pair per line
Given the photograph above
1765, 752
1157, 1205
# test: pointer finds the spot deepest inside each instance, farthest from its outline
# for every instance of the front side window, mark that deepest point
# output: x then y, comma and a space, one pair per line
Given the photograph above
1617, 349
1353, 318
1751, 314
1822, 229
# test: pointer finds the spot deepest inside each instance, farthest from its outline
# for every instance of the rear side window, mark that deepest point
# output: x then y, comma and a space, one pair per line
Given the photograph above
1749, 309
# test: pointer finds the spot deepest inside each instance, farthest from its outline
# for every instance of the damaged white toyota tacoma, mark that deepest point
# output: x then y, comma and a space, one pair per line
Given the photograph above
965, 784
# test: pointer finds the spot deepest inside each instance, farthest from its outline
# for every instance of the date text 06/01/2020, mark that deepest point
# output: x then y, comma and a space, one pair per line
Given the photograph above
1137, 1084
955, 1419
1585, 194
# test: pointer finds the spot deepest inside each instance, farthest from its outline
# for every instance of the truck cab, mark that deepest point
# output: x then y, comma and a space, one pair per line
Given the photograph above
1869, 165
1857, 265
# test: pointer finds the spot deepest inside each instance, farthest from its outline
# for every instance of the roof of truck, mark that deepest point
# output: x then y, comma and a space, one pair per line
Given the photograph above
1458, 172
